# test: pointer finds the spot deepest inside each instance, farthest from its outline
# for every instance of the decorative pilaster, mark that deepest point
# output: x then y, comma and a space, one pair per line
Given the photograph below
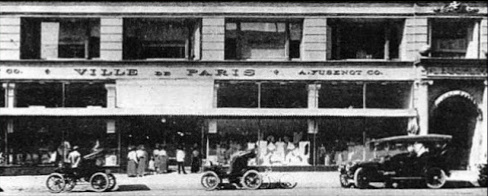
9, 89
421, 104
111, 95
215, 94
313, 95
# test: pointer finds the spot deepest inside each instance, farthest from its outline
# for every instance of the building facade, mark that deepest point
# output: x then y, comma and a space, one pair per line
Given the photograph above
307, 84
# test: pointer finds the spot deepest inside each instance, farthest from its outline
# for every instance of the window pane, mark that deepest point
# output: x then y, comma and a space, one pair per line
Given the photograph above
341, 95
156, 38
85, 94
450, 38
387, 95
284, 95
239, 94
36, 94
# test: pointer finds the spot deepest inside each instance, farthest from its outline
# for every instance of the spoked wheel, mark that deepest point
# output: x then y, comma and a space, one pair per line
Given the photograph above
55, 183
344, 181
287, 182
435, 178
99, 182
210, 180
361, 179
251, 179
111, 182
70, 183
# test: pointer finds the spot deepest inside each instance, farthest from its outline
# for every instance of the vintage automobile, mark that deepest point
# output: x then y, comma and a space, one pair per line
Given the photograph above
65, 178
400, 160
239, 173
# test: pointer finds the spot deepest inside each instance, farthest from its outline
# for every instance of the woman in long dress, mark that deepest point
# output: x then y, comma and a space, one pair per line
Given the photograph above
163, 160
143, 159
131, 162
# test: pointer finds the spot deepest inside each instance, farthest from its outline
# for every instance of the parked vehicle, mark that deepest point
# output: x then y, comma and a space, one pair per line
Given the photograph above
65, 178
401, 159
239, 174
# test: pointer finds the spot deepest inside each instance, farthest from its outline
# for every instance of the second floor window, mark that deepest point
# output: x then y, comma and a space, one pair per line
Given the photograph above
57, 38
262, 40
365, 38
453, 38
154, 38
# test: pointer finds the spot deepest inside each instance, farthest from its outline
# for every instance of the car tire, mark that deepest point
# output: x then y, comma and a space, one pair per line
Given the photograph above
251, 179
344, 181
361, 179
435, 178
210, 180
55, 183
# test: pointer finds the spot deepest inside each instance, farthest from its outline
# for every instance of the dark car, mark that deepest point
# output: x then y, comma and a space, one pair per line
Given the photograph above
401, 159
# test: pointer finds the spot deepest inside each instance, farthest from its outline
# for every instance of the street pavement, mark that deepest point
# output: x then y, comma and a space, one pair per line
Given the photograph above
179, 183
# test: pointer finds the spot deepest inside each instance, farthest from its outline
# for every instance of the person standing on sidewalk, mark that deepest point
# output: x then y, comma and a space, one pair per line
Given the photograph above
163, 156
180, 159
142, 156
132, 162
195, 159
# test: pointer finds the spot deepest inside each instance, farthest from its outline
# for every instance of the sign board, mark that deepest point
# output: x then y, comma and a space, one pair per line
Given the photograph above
234, 73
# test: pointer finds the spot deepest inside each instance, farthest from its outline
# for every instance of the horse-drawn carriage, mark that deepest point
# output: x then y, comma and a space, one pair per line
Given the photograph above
65, 178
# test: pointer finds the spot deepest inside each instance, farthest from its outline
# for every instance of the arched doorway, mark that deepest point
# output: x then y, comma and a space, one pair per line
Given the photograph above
455, 113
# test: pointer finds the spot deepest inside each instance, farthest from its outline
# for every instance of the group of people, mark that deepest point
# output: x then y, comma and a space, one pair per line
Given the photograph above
140, 161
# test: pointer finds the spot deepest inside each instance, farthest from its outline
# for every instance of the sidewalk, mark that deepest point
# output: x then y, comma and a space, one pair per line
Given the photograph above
175, 181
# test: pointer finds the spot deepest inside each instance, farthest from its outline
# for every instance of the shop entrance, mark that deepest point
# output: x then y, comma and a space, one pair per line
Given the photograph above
455, 114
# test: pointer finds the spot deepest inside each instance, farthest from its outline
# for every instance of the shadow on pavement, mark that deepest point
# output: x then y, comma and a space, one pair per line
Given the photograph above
133, 187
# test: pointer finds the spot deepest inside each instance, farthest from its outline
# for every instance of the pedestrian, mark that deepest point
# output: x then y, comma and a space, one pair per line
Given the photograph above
195, 159
156, 159
74, 157
143, 160
132, 162
180, 159
163, 156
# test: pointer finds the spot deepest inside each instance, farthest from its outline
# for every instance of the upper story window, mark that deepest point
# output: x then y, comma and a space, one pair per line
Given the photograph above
259, 94
262, 39
454, 38
354, 38
156, 38
61, 94
58, 38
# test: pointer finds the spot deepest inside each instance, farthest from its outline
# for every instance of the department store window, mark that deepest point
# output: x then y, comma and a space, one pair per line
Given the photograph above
454, 38
260, 94
279, 142
30, 141
262, 39
155, 38
356, 95
61, 94
59, 38
364, 38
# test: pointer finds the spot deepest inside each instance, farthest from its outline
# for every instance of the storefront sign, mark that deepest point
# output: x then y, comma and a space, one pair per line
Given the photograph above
154, 72
457, 71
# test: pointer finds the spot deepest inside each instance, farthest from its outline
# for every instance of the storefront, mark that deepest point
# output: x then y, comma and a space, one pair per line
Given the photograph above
312, 115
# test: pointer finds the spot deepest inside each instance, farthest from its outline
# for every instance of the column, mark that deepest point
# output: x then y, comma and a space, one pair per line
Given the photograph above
314, 42
9, 38
421, 103
213, 38
313, 96
483, 38
111, 95
9, 89
111, 36
215, 94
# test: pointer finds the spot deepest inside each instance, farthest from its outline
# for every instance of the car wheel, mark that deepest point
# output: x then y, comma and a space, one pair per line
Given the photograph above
251, 179
99, 182
344, 181
361, 179
210, 180
111, 181
55, 183
435, 178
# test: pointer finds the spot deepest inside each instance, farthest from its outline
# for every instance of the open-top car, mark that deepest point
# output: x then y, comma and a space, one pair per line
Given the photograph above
401, 159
